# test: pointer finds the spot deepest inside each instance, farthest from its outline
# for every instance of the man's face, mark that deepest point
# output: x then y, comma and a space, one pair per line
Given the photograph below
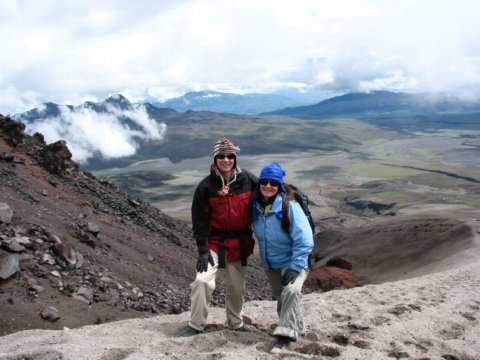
224, 162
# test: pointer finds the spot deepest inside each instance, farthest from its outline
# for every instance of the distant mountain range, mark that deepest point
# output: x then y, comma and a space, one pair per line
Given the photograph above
246, 104
50, 109
226, 103
196, 129
360, 105
381, 102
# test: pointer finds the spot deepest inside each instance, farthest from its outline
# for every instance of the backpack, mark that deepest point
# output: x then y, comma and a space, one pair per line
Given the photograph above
302, 199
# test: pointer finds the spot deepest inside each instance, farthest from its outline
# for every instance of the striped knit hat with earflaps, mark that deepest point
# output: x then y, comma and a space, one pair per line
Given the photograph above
225, 146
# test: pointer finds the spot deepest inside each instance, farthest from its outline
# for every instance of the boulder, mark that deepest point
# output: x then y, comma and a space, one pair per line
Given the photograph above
66, 252
56, 157
9, 265
84, 294
50, 313
14, 130
93, 228
5, 213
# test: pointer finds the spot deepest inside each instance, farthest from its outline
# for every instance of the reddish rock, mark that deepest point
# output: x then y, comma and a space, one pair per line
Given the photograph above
330, 278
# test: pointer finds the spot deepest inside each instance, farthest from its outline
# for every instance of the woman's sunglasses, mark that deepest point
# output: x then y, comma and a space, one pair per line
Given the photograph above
223, 156
273, 183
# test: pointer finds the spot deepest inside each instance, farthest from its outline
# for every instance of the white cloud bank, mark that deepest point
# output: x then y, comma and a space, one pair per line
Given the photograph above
89, 133
71, 51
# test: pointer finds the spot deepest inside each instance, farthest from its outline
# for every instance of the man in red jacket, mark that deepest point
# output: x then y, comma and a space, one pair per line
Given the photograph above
221, 218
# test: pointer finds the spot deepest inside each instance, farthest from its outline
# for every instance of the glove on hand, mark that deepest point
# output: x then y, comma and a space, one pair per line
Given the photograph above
203, 260
289, 277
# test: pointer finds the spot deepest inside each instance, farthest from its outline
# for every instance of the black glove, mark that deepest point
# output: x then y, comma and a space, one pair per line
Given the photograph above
289, 277
203, 260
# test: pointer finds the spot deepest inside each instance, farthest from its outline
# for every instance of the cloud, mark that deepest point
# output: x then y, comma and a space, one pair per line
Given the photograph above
68, 52
364, 72
89, 133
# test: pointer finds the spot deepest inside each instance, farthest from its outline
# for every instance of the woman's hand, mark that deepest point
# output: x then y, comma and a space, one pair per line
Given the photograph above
289, 277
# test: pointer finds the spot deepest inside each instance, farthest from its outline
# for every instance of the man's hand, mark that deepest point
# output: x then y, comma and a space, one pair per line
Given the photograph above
203, 260
289, 277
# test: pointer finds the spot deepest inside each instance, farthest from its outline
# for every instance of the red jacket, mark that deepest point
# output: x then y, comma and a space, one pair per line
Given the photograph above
224, 219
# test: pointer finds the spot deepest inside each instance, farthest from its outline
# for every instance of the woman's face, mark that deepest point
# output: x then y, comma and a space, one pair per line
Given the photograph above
225, 163
268, 188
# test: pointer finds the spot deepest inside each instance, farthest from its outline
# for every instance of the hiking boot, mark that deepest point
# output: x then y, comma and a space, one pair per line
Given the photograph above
281, 344
189, 331
242, 329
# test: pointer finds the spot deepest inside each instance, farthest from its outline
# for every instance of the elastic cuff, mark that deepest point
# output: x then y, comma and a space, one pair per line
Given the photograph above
283, 331
237, 326
194, 326
202, 246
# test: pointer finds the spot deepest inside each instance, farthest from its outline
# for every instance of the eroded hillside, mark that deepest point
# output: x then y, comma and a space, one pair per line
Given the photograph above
77, 250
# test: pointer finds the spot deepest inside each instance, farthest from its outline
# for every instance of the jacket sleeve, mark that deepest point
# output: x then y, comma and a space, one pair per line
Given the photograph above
200, 220
301, 235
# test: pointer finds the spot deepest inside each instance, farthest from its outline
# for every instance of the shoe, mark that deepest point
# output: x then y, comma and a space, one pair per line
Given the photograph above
281, 344
243, 329
189, 331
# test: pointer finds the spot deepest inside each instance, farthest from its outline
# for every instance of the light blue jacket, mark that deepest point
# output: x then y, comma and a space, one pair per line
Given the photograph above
279, 249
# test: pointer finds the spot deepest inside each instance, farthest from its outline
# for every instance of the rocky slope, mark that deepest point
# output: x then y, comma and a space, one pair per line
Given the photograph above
76, 250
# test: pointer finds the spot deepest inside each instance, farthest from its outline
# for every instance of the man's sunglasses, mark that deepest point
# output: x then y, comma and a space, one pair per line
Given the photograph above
223, 156
273, 183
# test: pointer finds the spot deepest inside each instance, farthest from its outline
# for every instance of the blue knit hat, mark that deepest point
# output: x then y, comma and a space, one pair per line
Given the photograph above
272, 171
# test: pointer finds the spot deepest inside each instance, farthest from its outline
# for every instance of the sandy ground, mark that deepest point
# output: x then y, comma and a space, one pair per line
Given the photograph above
432, 316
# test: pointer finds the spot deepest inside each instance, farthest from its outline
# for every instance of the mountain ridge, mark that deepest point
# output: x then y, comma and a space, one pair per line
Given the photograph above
394, 111
341, 105
381, 102
243, 104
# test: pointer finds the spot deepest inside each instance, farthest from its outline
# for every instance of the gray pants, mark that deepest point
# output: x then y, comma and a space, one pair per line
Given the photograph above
204, 285
289, 303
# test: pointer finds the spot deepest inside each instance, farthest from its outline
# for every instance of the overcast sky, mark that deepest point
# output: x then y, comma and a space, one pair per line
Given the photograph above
68, 51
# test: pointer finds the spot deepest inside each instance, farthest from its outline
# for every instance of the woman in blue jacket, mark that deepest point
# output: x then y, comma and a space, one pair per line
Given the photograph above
285, 241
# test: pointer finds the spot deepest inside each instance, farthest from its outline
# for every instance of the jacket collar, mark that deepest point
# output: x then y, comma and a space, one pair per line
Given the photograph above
276, 206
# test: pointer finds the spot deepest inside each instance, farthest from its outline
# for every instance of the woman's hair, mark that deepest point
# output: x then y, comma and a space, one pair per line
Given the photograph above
285, 206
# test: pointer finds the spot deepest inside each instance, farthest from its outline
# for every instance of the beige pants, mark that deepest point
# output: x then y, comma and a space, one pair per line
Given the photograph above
289, 303
204, 285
